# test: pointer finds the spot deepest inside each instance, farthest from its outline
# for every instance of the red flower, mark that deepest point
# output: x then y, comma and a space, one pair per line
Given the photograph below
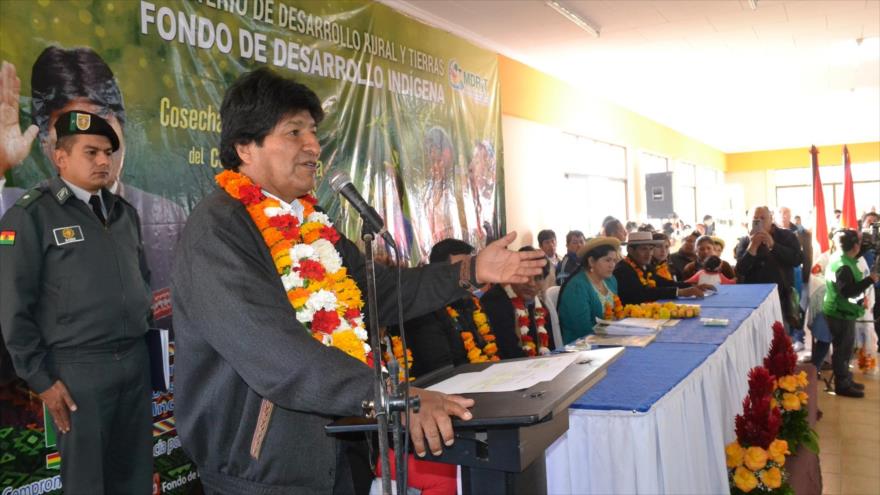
351, 314
518, 303
759, 423
287, 224
325, 321
522, 321
545, 339
329, 233
312, 270
308, 198
781, 359
250, 195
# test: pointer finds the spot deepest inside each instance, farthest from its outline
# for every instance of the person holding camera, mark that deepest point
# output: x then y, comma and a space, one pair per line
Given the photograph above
768, 256
843, 284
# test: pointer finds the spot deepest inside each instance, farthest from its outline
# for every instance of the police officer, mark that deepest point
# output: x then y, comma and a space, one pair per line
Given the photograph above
74, 307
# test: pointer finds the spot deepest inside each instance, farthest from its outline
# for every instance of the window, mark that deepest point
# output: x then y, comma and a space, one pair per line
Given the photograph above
596, 185
794, 189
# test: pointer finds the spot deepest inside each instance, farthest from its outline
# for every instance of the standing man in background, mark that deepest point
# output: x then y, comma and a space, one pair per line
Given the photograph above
768, 256
74, 309
574, 240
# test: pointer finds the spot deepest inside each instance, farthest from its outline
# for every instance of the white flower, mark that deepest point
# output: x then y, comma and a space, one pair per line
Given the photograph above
305, 315
367, 348
292, 280
272, 211
323, 299
327, 339
303, 251
319, 217
328, 255
361, 333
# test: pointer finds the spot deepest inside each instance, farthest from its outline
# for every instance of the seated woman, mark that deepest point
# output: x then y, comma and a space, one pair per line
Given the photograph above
660, 258
590, 293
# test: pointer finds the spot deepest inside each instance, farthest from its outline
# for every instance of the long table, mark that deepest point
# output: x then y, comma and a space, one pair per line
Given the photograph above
659, 420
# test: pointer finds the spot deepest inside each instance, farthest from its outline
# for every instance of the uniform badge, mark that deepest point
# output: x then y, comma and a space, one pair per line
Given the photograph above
83, 121
68, 235
62, 194
7, 238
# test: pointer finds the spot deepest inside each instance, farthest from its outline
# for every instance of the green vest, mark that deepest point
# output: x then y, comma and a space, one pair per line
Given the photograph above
835, 305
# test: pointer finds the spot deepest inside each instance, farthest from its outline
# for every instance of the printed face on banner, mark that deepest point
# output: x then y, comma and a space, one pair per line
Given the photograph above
287, 161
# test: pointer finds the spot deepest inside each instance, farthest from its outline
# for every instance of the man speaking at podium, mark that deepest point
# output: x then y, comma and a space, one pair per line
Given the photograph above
268, 308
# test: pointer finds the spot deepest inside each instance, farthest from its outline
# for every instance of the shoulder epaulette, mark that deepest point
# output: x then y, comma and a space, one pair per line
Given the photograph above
28, 198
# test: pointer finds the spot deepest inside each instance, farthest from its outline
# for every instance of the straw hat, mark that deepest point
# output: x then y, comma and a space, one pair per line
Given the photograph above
596, 242
638, 238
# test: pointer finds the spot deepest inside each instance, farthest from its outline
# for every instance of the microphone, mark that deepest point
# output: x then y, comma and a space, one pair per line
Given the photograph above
340, 182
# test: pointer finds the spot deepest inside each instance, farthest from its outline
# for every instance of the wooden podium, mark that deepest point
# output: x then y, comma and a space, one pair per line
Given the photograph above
501, 450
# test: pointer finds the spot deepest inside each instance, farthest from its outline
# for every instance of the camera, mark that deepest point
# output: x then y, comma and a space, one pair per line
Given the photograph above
757, 226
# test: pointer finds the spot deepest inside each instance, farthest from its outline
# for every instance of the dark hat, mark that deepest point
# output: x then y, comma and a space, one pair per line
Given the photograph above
76, 122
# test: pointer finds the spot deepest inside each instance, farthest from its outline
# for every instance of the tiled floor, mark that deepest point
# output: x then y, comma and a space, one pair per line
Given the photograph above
849, 440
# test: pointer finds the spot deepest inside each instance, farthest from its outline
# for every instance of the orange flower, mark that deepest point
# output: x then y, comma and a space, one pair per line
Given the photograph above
777, 450
735, 454
755, 458
744, 479
772, 477
298, 297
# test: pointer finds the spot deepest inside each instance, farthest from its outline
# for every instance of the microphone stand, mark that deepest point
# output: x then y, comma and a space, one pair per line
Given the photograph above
391, 402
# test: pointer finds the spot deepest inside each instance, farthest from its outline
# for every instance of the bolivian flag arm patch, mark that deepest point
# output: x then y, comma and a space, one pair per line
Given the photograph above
7, 237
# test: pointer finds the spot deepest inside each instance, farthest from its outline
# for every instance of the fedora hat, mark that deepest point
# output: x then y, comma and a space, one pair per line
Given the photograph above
596, 242
638, 238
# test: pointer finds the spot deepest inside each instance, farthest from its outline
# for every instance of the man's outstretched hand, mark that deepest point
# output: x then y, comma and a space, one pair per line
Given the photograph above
433, 422
14, 145
498, 265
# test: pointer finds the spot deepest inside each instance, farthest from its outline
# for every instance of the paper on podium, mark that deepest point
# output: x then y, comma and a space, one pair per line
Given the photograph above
518, 375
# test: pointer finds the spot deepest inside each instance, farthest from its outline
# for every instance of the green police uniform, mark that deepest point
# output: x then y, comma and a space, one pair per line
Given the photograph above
74, 306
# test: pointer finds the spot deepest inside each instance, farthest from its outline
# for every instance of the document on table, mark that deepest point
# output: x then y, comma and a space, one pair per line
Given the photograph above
516, 375
649, 323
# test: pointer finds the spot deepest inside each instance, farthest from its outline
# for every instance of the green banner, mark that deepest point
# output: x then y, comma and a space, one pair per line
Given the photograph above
412, 114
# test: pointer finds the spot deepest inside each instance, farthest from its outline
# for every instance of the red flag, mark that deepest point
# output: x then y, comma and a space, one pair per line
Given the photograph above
848, 218
821, 231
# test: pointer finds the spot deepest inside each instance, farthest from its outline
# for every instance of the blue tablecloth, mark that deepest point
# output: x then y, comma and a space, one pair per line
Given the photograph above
642, 375
692, 331
735, 296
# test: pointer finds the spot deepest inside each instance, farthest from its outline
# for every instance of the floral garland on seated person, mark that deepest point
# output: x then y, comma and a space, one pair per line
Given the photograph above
523, 320
660, 256
646, 279
326, 299
480, 347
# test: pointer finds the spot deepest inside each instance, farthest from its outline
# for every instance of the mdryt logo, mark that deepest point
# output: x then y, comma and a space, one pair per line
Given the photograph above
456, 75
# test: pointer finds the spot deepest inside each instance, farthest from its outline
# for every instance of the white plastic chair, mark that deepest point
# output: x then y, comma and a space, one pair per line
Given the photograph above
551, 296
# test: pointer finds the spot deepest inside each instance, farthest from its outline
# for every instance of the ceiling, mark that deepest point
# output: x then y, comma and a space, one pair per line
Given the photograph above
786, 74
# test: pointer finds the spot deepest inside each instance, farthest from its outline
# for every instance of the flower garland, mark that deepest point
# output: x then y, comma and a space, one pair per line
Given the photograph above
662, 270
614, 312
647, 279
476, 354
522, 321
397, 351
327, 301
866, 362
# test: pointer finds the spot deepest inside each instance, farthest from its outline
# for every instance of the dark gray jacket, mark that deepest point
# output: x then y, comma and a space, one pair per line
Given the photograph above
238, 341
67, 281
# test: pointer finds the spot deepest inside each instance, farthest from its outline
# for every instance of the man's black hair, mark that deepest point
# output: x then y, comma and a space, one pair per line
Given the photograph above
609, 228
446, 248
572, 234
712, 264
59, 76
254, 105
846, 239
545, 270
545, 235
